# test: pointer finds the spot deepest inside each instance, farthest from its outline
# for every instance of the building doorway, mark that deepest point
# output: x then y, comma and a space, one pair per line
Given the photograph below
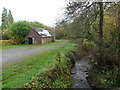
30, 40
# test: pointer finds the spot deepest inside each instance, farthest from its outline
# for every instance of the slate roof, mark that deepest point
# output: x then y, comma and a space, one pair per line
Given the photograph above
43, 32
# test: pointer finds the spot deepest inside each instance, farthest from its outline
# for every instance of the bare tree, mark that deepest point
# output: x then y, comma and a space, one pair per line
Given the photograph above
84, 14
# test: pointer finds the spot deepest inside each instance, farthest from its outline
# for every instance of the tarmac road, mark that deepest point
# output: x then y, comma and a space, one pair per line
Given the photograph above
14, 55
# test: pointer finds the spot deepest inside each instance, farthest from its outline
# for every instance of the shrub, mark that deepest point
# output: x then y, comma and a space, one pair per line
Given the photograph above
5, 34
105, 78
82, 48
14, 40
5, 42
88, 45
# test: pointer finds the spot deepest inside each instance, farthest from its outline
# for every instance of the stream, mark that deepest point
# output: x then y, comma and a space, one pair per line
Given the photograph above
80, 73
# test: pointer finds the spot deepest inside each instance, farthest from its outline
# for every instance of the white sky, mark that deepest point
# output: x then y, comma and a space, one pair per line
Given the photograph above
44, 11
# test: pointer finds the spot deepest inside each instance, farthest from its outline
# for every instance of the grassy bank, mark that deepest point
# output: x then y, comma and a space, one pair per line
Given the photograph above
31, 45
18, 75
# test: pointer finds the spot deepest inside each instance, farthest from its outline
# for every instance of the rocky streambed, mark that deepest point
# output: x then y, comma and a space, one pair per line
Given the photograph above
80, 73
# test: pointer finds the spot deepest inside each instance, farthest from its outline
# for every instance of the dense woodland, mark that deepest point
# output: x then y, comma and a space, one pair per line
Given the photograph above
94, 26
97, 25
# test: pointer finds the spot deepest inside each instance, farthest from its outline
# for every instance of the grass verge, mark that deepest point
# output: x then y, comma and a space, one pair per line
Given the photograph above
31, 45
19, 75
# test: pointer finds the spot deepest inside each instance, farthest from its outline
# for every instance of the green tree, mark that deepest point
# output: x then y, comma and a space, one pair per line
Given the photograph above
19, 29
4, 19
36, 24
10, 18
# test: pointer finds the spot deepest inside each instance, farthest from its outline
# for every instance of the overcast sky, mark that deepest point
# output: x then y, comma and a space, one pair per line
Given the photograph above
44, 11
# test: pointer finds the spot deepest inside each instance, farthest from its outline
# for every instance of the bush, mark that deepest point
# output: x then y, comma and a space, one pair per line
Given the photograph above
19, 29
12, 41
5, 34
105, 78
88, 45
83, 48
5, 42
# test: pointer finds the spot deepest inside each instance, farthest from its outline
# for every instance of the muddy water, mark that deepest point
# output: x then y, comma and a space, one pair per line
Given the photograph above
80, 73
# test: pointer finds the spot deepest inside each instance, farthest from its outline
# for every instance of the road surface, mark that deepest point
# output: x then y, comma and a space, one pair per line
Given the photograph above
14, 55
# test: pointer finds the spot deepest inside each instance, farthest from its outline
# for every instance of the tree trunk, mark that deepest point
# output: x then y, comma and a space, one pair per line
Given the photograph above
101, 55
119, 38
119, 32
